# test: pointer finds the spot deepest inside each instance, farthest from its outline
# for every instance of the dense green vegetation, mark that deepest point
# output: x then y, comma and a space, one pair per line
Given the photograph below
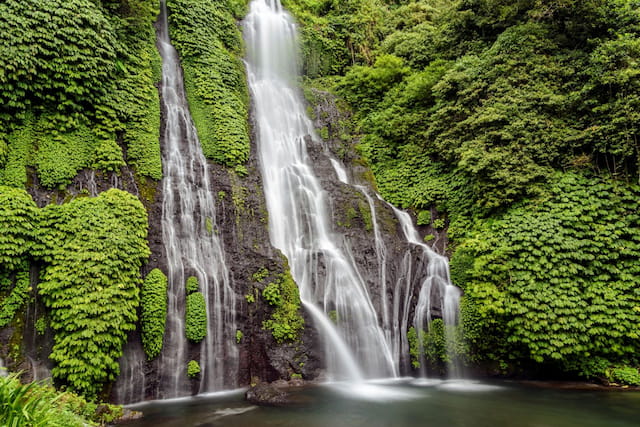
192, 285
193, 369
557, 279
210, 46
285, 322
153, 313
77, 87
93, 249
13, 302
89, 252
519, 122
196, 317
37, 404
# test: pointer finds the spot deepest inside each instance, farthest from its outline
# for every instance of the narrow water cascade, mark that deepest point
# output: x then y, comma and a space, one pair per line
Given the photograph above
395, 318
192, 248
436, 284
299, 217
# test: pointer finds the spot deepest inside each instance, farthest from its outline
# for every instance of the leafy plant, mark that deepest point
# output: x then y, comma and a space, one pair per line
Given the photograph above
196, 317
10, 305
153, 312
209, 42
193, 369
285, 322
554, 280
93, 249
260, 275
192, 285
626, 375
38, 404
19, 219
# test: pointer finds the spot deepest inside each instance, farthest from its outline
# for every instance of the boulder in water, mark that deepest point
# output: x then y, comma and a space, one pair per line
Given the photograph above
277, 393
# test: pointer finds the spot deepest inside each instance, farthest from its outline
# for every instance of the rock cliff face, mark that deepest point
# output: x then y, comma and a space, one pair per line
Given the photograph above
392, 269
243, 224
403, 265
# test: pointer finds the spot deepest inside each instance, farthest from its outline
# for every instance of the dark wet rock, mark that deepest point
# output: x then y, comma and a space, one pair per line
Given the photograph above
277, 393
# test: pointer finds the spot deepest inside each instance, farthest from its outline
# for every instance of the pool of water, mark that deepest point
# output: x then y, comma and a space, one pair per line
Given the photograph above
406, 404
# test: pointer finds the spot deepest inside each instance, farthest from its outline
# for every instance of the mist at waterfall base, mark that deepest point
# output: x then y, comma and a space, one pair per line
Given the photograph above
442, 403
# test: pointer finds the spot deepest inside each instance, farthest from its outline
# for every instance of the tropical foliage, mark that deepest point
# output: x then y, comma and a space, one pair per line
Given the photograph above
77, 88
210, 46
517, 124
93, 249
153, 313
285, 322
196, 317
39, 404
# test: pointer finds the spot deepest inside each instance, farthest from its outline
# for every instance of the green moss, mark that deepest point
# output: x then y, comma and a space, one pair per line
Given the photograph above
333, 315
209, 44
193, 369
196, 317
365, 214
239, 336
285, 322
347, 217
153, 312
192, 285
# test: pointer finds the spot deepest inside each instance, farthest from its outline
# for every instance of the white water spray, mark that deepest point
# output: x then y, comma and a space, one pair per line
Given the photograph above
299, 218
437, 279
192, 249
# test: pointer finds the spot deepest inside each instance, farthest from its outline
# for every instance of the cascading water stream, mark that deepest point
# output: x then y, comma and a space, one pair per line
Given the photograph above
438, 280
192, 249
299, 219
396, 323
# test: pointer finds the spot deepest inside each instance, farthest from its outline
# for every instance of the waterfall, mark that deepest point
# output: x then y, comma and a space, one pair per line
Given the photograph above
192, 249
299, 218
436, 282
396, 323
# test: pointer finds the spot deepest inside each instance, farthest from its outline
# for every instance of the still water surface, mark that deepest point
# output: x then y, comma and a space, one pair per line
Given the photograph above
434, 403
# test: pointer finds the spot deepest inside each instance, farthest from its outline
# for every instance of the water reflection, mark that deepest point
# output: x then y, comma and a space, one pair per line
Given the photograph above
408, 404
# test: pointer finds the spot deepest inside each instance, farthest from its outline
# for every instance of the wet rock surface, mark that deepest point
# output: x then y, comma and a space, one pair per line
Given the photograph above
277, 393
